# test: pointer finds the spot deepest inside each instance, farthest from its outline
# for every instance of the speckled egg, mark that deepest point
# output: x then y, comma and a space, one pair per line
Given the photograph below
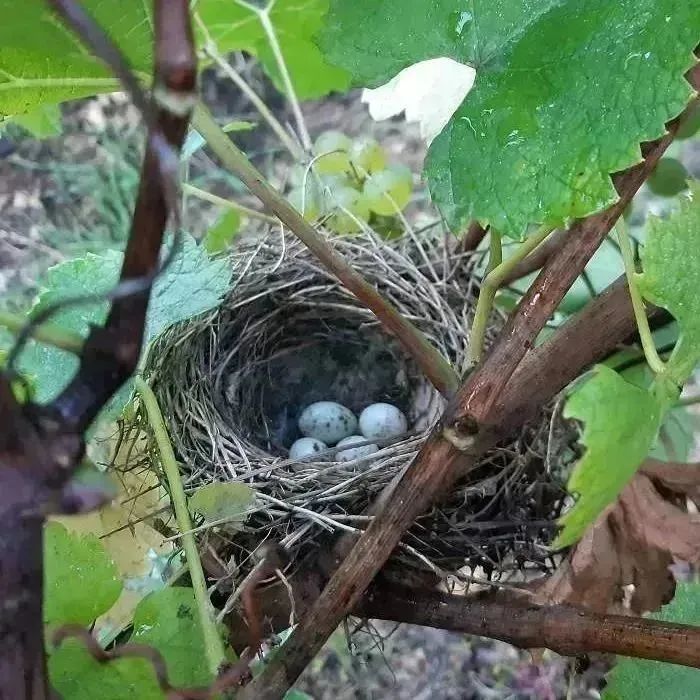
327, 421
382, 420
306, 447
347, 455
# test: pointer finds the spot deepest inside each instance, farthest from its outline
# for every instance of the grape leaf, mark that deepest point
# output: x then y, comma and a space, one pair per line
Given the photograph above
192, 284
671, 278
42, 62
565, 90
236, 25
75, 674
639, 679
80, 579
222, 500
621, 422
167, 620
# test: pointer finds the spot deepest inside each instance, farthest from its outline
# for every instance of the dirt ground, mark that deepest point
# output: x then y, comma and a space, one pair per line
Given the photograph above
73, 193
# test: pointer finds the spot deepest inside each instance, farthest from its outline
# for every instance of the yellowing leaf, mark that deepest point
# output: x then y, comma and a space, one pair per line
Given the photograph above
223, 500
126, 534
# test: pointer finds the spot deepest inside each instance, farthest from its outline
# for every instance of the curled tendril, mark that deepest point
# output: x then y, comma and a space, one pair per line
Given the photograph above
230, 678
166, 158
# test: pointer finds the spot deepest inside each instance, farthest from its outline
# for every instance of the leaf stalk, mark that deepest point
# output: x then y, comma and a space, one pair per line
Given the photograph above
213, 646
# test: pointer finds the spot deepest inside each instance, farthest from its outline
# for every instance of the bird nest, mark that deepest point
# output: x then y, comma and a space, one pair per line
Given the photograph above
232, 384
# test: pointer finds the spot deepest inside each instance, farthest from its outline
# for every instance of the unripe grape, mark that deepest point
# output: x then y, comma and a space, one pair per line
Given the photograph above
367, 155
668, 178
332, 147
349, 210
331, 183
389, 191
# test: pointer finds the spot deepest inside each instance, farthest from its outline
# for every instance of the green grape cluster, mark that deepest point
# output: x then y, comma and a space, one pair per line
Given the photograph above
349, 183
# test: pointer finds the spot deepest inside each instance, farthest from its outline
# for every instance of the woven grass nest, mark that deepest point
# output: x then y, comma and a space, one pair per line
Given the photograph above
232, 384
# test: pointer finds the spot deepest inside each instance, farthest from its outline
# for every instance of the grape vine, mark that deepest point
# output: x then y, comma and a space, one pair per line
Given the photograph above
535, 172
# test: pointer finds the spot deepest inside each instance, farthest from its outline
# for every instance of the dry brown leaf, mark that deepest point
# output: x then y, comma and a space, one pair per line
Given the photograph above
622, 564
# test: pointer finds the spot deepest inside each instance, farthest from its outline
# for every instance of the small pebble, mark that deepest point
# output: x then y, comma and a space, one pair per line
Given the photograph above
354, 452
305, 447
382, 420
327, 421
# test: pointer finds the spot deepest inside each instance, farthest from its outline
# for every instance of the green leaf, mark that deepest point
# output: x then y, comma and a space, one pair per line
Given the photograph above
565, 90
192, 284
223, 500
43, 122
620, 424
236, 25
168, 620
669, 178
42, 62
671, 278
75, 674
220, 236
638, 679
80, 580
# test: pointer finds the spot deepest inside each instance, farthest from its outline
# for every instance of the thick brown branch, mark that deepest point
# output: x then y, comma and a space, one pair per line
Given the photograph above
111, 353
469, 427
587, 337
567, 630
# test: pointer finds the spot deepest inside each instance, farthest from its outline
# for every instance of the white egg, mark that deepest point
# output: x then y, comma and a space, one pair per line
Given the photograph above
354, 452
382, 420
327, 421
306, 447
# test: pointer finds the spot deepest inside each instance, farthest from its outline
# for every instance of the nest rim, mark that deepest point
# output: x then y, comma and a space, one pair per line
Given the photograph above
295, 504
